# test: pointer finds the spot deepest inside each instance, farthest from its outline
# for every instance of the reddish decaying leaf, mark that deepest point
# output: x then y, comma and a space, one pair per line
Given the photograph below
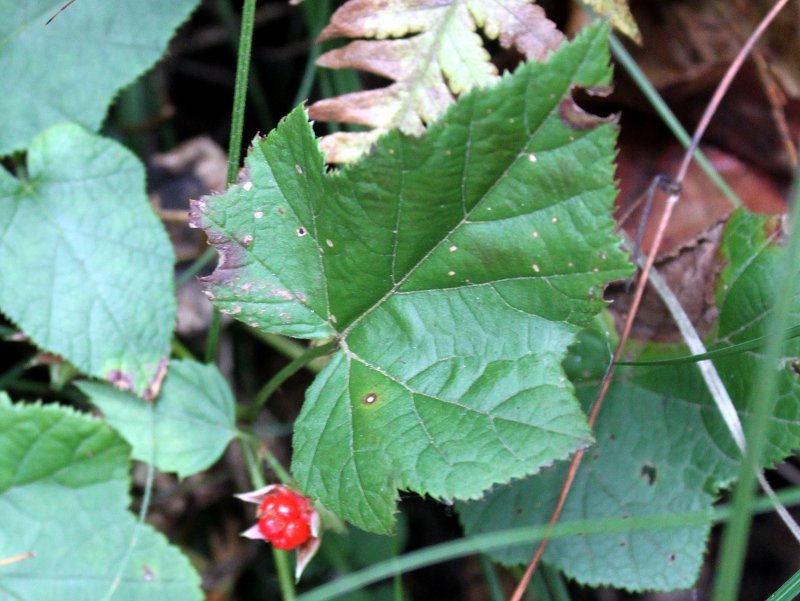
442, 57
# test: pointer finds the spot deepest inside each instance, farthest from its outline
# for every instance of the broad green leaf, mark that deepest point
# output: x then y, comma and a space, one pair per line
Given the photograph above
64, 496
85, 264
645, 463
454, 269
745, 294
661, 444
185, 430
71, 69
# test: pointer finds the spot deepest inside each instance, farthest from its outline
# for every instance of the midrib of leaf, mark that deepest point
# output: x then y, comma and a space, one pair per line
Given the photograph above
350, 438
768, 242
502, 7
728, 338
393, 290
397, 217
416, 82
467, 408
320, 259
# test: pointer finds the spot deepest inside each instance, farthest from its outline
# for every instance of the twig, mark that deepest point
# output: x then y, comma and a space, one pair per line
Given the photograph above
59, 11
672, 200
15, 558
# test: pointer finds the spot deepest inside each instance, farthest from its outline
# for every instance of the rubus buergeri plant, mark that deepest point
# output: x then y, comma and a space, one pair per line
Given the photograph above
450, 276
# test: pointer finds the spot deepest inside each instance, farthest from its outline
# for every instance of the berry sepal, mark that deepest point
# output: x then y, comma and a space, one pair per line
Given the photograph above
287, 520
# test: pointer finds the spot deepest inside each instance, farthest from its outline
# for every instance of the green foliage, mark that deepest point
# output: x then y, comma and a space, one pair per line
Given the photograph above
643, 464
745, 296
71, 69
63, 496
661, 445
455, 270
186, 430
85, 264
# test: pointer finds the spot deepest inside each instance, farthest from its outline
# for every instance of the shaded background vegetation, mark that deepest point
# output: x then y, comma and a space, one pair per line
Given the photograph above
177, 118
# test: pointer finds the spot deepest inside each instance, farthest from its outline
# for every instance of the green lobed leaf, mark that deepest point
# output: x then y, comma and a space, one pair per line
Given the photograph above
63, 496
71, 69
454, 269
661, 445
645, 463
85, 264
185, 430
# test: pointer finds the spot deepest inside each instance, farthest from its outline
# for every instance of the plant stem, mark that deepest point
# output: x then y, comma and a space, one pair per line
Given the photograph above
555, 583
256, 88
235, 141
12, 373
196, 266
292, 368
213, 336
668, 117
240, 91
285, 346
492, 582
180, 350
281, 558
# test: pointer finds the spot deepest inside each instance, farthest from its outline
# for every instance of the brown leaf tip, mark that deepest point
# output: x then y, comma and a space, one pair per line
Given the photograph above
575, 117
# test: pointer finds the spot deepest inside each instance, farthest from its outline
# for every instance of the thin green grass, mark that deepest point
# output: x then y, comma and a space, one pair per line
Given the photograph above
761, 404
255, 88
235, 141
669, 118
525, 536
726, 351
789, 591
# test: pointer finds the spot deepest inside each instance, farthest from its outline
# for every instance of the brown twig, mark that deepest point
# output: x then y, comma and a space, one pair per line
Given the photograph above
674, 195
59, 11
15, 558
772, 88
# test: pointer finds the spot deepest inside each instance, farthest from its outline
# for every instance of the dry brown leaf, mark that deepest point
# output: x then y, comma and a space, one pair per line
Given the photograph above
619, 13
432, 52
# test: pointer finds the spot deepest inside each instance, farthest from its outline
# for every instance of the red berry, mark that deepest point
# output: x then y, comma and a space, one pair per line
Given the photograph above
293, 535
284, 517
271, 527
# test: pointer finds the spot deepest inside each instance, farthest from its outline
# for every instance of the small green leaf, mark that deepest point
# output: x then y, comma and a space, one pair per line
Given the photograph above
454, 269
70, 69
662, 446
63, 497
85, 264
185, 430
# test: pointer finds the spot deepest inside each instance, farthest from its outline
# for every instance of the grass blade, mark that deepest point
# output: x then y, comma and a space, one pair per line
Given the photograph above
762, 401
